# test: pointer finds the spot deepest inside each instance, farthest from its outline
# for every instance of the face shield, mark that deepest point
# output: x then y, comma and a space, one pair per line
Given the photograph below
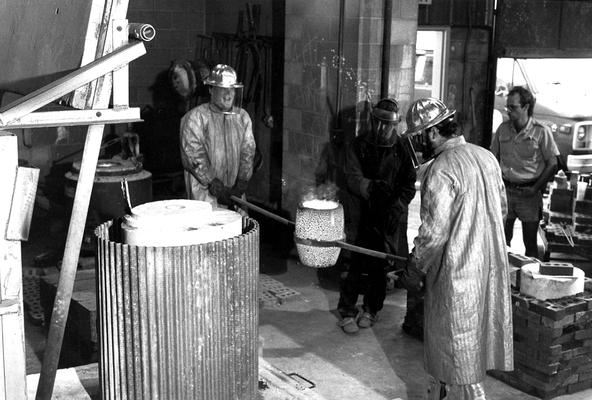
385, 121
419, 147
226, 100
384, 133
422, 116
226, 93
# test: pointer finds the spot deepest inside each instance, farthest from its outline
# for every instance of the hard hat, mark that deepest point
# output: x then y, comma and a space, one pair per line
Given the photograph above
223, 76
387, 110
425, 113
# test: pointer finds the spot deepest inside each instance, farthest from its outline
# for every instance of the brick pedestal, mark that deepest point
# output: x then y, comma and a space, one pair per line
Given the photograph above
552, 345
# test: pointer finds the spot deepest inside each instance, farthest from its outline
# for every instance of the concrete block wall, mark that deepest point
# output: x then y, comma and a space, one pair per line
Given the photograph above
311, 48
468, 80
310, 80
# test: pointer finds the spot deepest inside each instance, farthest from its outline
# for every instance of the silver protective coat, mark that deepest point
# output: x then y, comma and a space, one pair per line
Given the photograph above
461, 247
215, 145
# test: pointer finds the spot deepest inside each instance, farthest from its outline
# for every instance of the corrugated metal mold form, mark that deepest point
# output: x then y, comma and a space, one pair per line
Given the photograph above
178, 322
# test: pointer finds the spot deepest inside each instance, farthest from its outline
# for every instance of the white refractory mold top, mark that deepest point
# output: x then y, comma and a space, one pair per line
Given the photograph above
549, 287
179, 223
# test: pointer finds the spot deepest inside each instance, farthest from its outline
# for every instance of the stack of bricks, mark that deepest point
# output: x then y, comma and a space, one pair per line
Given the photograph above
570, 220
583, 213
552, 343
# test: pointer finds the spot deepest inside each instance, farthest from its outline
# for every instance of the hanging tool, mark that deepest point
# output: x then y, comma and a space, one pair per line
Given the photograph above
267, 77
203, 49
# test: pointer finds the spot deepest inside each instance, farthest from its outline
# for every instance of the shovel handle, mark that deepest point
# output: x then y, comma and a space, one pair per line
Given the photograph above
318, 243
263, 211
351, 247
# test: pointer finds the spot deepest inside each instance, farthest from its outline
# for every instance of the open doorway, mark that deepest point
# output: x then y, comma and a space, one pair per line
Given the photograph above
431, 61
563, 92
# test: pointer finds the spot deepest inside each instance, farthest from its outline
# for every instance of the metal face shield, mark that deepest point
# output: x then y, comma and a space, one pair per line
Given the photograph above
227, 100
384, 132
419, 148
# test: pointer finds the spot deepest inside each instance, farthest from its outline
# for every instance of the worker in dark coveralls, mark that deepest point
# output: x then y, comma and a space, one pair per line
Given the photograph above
217, 143
460, 258
527, 154
380, 174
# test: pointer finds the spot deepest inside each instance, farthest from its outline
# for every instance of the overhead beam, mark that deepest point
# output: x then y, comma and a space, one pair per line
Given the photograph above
75, 117
59, 88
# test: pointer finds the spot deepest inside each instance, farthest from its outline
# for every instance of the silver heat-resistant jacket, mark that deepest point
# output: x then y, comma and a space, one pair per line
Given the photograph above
215, 145
461, 247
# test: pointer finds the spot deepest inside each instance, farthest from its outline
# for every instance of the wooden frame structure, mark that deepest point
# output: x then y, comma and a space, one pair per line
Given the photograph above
104, 72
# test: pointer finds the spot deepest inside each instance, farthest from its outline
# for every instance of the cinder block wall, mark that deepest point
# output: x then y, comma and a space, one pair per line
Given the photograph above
310, 81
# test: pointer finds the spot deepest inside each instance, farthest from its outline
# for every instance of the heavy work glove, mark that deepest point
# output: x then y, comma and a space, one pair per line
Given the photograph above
239, 188
220, 192
412, 277
379, 191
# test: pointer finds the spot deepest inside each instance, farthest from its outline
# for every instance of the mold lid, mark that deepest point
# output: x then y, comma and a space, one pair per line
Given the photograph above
166, 215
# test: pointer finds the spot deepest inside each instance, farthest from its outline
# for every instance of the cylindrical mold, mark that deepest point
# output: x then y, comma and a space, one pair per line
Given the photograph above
106, 201
321, 221
178, 322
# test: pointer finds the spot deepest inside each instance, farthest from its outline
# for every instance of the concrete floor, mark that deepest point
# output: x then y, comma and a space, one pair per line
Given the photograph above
300, 336
381, 363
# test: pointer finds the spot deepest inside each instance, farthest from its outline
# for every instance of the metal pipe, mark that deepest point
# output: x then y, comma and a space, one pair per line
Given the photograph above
340, 60
63, 296
143, 32
311, 242
85, 74
351, 247
262, 211
386, 48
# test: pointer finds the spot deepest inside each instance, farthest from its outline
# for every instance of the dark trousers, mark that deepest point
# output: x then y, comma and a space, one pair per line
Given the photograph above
530, 232
367, 278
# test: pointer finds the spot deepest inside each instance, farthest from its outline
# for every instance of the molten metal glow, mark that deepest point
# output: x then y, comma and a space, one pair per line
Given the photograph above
320, 204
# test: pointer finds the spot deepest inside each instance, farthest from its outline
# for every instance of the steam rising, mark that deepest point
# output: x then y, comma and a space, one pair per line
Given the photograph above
325, 191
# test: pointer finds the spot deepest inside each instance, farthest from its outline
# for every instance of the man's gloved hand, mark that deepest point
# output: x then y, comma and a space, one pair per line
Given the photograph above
220, 192
412, 278
379, 190
239, 188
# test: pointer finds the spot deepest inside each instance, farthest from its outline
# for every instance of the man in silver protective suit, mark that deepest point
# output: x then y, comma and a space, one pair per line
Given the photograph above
217, 143
459, 258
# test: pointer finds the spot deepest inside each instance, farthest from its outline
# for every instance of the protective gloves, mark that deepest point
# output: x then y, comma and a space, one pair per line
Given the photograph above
379, 191
220, 192
412, 277
239, 188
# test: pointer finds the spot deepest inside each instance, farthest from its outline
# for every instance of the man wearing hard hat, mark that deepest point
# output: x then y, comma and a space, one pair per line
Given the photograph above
381, 178
217, 143
459, 257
